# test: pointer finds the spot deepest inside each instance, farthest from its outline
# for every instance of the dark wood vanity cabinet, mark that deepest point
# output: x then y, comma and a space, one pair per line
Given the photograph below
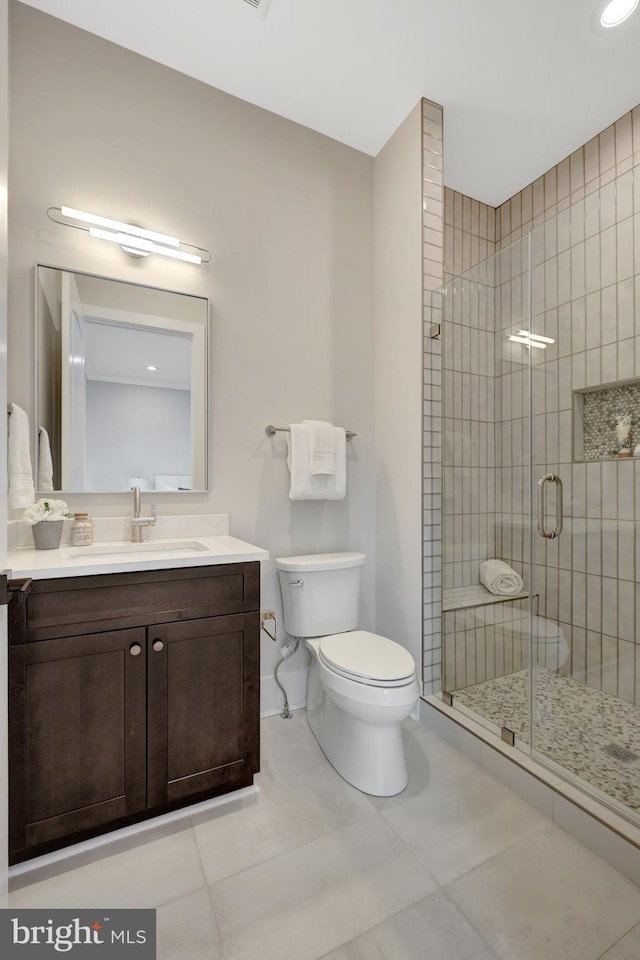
130, 695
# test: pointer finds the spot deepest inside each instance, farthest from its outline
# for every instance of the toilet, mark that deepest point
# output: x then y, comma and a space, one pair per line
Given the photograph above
361, 685
551, 647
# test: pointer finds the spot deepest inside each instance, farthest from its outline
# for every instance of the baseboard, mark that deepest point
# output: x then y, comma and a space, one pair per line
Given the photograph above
608, 835
78, 853
294, 682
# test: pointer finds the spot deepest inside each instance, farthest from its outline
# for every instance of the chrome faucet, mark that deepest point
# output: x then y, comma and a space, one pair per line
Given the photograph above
138, 522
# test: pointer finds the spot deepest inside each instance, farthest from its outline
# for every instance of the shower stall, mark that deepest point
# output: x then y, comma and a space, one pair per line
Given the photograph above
540, 393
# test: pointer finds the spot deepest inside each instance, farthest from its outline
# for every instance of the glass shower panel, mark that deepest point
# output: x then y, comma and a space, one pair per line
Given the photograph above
586, 380
486, 483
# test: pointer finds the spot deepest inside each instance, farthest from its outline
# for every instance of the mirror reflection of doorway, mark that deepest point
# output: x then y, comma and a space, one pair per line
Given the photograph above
122, 385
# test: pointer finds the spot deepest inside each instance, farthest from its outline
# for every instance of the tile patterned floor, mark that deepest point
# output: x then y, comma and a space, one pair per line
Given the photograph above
573, 725
455, 868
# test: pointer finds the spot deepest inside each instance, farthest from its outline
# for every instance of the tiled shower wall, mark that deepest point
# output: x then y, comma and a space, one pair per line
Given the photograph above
433, 250
468, 426
585, 216
469, 237
485, 444
469, 233
587, 296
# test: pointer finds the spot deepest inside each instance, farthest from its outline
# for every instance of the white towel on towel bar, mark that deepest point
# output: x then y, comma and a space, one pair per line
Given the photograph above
305, 486
45, 462
500, 579
21, 489
322, 447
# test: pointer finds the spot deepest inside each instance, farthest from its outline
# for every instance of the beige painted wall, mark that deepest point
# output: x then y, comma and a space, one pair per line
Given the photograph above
288, 216
398, 380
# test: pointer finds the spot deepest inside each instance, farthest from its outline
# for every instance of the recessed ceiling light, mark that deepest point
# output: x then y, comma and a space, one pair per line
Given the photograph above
151, 367
616, 12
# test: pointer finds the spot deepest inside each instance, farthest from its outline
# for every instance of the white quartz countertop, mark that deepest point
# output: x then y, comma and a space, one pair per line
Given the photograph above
123, 557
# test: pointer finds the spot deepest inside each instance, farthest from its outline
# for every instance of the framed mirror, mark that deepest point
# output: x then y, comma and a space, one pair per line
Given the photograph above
121, 386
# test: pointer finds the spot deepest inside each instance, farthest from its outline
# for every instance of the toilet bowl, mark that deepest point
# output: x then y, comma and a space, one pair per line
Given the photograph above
361, 685
357, 721
551, 647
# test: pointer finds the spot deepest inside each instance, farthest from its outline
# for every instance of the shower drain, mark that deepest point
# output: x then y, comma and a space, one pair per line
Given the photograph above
620, 753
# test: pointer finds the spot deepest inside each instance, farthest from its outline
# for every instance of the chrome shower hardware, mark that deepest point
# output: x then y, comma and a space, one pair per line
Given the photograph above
549, 534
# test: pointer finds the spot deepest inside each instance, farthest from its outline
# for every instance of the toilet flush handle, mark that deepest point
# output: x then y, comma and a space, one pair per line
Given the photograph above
296, 583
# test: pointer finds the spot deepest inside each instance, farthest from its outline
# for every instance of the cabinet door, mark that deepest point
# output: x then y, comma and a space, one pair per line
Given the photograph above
77, 734
203, 707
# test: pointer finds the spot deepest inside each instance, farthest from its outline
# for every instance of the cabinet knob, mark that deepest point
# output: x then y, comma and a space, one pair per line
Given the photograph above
158, 645
135, 649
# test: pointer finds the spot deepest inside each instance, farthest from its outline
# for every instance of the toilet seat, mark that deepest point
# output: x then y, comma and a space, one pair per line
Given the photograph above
367, 658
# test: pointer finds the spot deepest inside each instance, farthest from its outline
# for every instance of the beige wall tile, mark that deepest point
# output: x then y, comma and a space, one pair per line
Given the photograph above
592, 159
623, 138
576, 169
607, 146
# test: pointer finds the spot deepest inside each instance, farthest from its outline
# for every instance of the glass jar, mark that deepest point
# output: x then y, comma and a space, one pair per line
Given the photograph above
82, 530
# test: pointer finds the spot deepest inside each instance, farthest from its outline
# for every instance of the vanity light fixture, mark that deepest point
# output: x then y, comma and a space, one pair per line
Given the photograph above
134, 240
616, 12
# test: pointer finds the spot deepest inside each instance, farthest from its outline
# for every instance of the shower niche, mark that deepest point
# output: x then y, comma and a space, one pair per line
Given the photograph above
596, 410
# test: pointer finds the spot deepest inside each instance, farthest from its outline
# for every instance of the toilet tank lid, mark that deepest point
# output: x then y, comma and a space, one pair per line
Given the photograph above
320, 561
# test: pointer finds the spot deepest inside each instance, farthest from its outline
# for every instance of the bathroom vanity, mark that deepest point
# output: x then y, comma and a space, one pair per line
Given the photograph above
132, 691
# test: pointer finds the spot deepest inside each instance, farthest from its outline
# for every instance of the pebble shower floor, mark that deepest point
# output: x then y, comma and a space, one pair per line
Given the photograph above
574, 726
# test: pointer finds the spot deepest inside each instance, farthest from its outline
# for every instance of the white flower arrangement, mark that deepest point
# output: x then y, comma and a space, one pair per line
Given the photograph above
46, 510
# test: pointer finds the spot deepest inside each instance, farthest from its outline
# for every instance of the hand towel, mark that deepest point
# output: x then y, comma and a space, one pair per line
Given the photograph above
500, 579
45, 462
303, 485
21, 489
322, 448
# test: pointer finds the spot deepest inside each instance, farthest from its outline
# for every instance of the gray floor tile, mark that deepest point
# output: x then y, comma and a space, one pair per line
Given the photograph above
288, 748
627, 948
307, 902
433, 928
145, 876
452, 828
548, 898
187, 930
286, 815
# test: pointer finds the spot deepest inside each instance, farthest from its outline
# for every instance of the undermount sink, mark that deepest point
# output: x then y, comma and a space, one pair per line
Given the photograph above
132, 549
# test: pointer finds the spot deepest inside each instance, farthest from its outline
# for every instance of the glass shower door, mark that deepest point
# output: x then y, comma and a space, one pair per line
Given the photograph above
586, 414
486, 490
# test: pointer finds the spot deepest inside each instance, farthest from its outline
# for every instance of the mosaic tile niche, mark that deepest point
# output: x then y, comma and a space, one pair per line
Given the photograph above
597, 410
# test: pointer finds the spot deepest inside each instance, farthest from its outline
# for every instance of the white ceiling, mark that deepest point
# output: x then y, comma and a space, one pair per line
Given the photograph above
119, 353
523, 82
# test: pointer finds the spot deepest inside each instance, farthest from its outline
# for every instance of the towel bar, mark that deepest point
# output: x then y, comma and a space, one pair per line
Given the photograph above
270, 430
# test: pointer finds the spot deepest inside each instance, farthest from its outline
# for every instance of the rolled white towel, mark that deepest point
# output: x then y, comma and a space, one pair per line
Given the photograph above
500, 579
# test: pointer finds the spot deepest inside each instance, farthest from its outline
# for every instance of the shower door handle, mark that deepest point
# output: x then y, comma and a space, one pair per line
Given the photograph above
549, 478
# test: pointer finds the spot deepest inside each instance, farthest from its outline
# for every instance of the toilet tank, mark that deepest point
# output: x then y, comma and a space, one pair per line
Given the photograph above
320, 592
